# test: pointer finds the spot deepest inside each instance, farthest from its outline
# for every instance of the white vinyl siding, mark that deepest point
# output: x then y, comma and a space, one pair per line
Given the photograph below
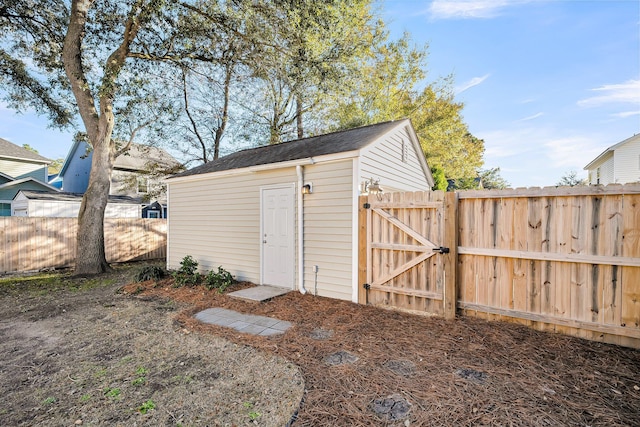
627, 162
69, 209
328, 229
384, 161
216, 220
606, 172
22, 169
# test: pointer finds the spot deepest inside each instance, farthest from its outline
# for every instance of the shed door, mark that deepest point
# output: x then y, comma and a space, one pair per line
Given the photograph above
278, 237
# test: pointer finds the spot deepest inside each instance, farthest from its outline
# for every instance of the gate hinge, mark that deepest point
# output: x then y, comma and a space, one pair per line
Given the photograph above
366, 206
442, 250
366, 286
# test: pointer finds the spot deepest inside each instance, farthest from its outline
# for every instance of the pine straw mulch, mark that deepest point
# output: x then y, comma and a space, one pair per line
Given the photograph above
463, 372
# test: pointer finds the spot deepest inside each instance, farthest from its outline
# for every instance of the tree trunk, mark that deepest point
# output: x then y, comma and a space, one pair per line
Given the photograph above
91, 258
299, 117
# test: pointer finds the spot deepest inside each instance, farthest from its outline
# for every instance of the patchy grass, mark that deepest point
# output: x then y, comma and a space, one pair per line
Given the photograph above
80, 352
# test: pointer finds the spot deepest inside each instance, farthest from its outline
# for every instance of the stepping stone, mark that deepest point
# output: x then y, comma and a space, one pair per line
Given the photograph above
404, 368
321, 334
340, 358
259, 293
241, 322
472, 375
391, 408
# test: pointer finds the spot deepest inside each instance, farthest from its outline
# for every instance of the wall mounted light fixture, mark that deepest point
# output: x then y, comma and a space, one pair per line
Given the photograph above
372, 186
307, 188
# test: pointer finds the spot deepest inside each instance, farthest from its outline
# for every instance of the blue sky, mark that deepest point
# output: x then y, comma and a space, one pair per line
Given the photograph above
548, 85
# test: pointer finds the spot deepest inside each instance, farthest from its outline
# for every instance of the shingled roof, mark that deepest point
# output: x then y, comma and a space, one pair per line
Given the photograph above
331, 143
138, 158
13, 151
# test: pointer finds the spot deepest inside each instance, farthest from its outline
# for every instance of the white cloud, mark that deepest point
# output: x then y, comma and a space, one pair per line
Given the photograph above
627, 92
506, 143
626, 114
464, 9
535, 116
572, 152
471, 83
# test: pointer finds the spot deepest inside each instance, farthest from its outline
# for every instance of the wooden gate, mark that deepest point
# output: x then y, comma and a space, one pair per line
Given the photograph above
408, 251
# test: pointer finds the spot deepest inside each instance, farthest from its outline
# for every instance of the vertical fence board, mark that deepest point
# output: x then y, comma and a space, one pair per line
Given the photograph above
630, 305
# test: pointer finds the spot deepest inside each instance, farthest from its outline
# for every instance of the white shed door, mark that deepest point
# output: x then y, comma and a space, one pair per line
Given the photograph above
278, 237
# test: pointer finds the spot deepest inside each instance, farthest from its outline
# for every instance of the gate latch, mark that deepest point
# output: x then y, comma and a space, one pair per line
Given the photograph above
442, 250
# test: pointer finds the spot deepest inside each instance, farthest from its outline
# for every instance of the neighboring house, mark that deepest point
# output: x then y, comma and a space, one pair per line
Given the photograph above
247, 211
45, 204
618, 164
136, 173
20, 169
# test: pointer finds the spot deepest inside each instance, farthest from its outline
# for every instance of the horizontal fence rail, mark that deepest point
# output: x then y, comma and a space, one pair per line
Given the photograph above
560, 259
33, 244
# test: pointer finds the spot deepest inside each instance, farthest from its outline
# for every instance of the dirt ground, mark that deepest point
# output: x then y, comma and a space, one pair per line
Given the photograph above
77, 352
94, 355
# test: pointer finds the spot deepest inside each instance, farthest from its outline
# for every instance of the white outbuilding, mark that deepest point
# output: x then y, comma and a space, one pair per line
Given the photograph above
287, 214
67, 205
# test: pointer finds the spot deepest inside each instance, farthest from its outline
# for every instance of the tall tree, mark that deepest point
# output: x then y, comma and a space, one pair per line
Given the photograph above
315, 47
74, 57
387, 87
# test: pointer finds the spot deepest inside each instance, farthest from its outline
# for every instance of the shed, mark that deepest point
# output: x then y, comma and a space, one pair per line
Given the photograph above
45, 204
286, 214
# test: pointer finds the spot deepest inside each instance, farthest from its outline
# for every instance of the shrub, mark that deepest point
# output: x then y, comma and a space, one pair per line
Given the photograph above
219, 280
149, 272
187, 274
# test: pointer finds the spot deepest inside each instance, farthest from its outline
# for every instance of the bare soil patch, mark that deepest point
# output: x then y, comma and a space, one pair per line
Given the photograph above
365, 366
78, 352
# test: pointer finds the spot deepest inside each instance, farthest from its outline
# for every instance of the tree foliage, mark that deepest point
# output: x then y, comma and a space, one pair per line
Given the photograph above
195, 71
387, 87
571, 179
439, 178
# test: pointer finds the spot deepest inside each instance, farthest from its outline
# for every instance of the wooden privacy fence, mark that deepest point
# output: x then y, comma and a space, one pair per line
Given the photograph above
558, 259
32, 244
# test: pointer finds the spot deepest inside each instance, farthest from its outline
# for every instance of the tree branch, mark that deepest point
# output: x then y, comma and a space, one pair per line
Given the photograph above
72, 58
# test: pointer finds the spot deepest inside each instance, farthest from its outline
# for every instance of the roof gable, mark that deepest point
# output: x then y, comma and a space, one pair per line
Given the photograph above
140, 157
609, 152
13, 151
331, 143
30, 181
137, 158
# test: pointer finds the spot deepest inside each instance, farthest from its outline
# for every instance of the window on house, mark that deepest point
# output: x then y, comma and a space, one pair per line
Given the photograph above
598, 176
143, 185
5, 209
153, 214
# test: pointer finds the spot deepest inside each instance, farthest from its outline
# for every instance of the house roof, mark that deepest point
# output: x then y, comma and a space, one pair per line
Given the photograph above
137, 158
331, 143
15, 182
13, 151
605, 154
73, 197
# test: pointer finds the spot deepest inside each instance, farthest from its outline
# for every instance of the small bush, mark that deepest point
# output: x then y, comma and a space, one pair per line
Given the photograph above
219, 280
187, 274
149, 272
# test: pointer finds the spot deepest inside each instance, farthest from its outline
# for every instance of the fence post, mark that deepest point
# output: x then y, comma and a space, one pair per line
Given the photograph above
362, 249
451, 258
